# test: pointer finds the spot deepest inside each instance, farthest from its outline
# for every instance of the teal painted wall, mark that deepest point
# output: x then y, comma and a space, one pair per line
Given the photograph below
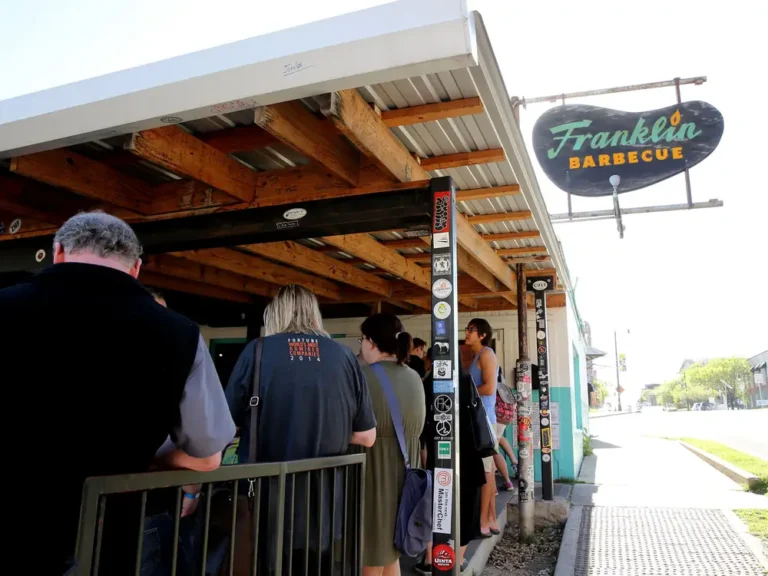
577, 387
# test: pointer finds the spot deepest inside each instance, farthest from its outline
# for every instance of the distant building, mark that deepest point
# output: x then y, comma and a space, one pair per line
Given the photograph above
757, 388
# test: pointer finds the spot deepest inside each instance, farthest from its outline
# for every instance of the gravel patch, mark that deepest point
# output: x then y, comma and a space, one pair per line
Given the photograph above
538, 558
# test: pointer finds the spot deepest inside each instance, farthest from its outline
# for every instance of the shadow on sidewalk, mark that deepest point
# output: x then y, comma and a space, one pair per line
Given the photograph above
601, 444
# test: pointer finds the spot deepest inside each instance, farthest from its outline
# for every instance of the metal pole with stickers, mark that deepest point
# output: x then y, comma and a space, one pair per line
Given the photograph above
445, 358
540, 286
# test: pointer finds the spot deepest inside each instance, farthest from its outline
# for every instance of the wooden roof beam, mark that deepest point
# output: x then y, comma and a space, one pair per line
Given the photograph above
194, 272
499, 217
511, 236
431, 112
180, 285
367, 248
485, 193
522, 250
528, 260
463, 159
300, 256
354, 118
86, 177
239, 139
296, 126
253, 267
182, 153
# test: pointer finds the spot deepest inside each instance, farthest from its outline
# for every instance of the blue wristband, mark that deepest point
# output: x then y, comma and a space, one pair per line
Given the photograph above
191, 496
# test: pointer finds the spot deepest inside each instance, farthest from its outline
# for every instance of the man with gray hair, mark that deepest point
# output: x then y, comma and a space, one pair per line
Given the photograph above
108, 375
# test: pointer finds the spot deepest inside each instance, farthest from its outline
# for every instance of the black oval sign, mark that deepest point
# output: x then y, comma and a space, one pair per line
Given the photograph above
580, 146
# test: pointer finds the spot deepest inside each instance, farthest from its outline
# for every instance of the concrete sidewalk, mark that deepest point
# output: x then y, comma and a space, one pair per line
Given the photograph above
652, 508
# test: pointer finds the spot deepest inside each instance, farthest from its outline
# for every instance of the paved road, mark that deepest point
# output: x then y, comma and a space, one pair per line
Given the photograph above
745, 430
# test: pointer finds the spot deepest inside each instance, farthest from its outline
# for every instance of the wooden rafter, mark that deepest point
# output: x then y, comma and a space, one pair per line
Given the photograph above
528, 260
28, 198
181, 152
239, 139
367, 248
472, 242
405, 243
511, 236
463, 159
430, 112
75, 172
194, 272
498, 304
357, 121
484, 193
300, 256
180, 285
354, 118
253, 267
296, 126
499, 217
522, 250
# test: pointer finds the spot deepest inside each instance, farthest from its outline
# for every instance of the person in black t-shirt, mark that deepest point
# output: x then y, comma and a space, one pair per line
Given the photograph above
314, 402
416, 360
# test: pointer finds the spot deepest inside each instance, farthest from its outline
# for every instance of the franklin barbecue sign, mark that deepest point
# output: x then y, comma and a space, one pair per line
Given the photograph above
580, 146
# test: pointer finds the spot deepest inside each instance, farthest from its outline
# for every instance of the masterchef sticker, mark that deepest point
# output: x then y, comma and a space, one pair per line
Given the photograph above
443, 501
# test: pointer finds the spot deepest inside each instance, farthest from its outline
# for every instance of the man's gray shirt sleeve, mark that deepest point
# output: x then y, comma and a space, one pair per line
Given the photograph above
205, 425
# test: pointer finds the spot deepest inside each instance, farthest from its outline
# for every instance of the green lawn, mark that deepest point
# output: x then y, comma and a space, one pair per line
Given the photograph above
756, 521
756, 466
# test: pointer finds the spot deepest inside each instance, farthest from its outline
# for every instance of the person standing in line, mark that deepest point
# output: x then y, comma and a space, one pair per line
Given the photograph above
484, 373
384, 342
313, 402
118, 375
416, 360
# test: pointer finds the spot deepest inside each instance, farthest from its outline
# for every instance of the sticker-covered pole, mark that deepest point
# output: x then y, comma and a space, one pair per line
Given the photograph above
445, 398
540, 286
524, 412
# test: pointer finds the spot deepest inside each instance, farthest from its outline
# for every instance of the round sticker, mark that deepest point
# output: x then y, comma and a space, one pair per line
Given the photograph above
442, 310
15, 226
545, 421
294, 214
444, 478
442, 288
40, 255
546, 458
541, 334
540, 285
443, 557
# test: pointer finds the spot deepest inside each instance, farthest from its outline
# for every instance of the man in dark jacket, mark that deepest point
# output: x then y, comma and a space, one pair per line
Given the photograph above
103, 375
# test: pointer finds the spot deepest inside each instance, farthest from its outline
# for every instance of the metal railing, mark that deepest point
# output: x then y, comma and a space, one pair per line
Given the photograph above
306, 513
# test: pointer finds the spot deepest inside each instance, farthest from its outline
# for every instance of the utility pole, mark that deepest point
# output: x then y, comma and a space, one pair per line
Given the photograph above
524, 386
618, 383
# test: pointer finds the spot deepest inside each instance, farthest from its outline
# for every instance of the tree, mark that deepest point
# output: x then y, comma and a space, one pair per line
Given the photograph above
721, 376
601, 391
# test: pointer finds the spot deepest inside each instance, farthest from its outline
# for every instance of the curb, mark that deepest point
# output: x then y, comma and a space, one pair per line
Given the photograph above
752, 542
566, 558
736, 474
610, 414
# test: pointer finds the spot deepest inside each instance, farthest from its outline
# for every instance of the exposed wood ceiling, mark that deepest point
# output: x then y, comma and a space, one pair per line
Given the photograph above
348, 150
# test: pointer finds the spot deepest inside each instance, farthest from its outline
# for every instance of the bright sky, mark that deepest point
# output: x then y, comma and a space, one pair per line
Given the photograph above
686, 285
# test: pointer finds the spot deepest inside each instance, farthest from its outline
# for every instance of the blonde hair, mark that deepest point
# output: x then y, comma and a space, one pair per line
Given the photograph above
294, 309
